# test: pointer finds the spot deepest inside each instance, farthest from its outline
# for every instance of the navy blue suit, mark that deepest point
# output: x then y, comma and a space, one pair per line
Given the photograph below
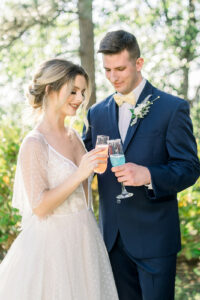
148, 222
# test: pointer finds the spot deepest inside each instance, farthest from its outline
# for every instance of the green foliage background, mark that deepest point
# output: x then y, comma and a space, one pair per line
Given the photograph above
10, 137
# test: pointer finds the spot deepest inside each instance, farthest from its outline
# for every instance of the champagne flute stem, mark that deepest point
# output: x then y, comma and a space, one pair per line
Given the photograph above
124, 191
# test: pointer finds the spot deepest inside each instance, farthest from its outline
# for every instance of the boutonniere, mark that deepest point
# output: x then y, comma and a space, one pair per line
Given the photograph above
141, 109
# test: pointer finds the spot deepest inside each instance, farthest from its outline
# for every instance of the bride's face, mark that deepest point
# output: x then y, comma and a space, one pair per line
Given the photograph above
66, 104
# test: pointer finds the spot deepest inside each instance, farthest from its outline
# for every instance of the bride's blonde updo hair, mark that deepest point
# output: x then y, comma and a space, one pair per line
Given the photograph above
51, 76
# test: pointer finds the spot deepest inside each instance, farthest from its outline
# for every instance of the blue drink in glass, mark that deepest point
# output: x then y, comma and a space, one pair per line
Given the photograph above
117, 159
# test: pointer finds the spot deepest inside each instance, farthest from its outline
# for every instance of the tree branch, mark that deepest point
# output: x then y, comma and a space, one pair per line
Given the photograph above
23, 28
14, 38
67, 51
168, 20
148, 4
197, 94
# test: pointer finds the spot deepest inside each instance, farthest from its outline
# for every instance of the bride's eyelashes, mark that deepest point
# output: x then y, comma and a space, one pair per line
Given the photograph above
82, 93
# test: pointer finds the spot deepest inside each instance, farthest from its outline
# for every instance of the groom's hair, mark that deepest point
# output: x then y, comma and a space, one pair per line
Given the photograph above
116, 41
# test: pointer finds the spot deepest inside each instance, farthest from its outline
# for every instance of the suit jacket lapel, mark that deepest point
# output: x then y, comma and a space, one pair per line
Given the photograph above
113, 112
132, 129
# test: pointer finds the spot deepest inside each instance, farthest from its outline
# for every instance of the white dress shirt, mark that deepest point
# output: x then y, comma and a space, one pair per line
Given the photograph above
124, 111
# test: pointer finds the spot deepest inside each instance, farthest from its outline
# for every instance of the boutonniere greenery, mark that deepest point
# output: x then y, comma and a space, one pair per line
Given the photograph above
141, 109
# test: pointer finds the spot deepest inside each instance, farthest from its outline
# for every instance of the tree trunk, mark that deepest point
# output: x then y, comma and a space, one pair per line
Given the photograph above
87, 42
185, 83
188, 51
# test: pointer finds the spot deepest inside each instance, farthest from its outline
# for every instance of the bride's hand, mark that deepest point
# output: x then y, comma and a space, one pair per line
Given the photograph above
89, 162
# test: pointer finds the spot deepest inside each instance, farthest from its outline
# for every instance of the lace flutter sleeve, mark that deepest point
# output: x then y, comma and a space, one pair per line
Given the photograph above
31, 178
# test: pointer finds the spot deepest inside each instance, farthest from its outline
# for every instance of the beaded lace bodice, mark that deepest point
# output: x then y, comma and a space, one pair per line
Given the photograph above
59, 168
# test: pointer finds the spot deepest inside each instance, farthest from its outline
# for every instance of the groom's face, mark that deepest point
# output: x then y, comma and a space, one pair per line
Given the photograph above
122, 71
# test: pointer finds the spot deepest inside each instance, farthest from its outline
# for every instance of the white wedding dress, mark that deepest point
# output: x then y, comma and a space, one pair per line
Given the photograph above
60, 257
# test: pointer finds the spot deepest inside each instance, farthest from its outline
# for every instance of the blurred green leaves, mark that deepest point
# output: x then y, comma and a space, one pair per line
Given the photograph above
10, 140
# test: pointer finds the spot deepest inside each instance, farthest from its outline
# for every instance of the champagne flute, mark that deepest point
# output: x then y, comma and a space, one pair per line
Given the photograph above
117, 158
102, 143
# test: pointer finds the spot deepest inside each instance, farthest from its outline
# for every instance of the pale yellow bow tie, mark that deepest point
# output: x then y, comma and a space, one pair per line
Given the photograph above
129, 98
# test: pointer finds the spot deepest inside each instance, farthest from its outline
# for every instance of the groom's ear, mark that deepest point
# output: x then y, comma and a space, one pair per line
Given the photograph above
139, 64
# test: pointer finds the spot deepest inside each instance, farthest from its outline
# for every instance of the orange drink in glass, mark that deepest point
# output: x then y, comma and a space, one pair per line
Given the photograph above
101, 143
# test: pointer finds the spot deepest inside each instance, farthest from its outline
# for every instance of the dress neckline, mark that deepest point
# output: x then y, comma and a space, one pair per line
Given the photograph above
52, 148
67, 159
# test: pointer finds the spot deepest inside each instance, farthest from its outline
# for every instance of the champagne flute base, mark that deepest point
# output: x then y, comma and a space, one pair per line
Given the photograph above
123, 196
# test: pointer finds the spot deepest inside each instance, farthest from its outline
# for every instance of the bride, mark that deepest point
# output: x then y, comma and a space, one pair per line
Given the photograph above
59, 254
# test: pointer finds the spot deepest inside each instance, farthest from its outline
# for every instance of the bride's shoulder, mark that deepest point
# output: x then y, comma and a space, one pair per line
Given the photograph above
33, 140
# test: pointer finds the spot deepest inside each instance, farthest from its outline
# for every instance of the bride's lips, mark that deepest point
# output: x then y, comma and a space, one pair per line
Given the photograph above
74, 105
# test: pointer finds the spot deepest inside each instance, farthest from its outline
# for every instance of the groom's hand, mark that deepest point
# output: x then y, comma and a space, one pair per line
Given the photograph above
132, 174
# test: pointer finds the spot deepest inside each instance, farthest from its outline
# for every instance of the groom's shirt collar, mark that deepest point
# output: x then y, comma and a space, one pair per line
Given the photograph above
137, 91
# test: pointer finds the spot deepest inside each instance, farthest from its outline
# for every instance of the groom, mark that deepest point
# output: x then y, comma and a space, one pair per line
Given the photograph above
142, 233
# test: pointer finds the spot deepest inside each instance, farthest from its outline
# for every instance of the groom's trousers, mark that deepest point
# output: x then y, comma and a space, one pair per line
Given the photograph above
142, 279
